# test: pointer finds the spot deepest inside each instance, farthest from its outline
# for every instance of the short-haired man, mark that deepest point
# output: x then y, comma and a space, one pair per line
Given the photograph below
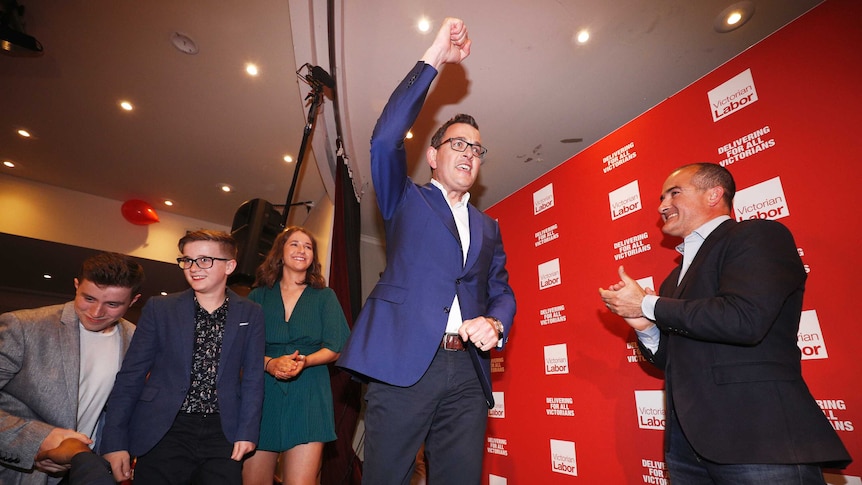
423, 338
188, 398
723, 328
57, 366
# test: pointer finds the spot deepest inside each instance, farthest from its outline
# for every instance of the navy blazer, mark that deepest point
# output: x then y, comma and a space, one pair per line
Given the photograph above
729, 352
156, 374
399, 329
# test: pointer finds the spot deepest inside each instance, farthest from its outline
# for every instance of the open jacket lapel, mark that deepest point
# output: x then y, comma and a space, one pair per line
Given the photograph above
477, 236
441, 207
231, 327
70, 332
702, 253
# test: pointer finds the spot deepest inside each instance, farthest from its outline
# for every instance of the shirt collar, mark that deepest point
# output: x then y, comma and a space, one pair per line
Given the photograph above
464, 199
702, 232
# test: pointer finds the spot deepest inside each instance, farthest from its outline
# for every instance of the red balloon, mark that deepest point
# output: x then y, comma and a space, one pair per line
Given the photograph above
139, 212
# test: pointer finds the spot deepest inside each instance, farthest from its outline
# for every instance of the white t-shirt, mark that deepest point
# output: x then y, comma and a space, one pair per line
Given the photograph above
100, 362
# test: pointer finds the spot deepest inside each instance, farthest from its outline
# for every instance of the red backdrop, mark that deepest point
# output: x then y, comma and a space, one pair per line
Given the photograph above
576, 404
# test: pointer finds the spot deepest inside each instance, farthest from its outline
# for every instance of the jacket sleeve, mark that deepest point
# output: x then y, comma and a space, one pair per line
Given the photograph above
251, 393
501, 298
388, 157
659, 357
20, 437
90, 469
130, 382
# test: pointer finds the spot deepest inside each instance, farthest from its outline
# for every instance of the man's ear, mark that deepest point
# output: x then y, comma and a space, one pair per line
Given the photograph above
134, 299
716, 195
431, 156
229, 266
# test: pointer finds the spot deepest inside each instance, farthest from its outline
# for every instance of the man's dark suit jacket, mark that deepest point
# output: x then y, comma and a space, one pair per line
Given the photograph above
728, 348
156, 374
399, 330
90, 469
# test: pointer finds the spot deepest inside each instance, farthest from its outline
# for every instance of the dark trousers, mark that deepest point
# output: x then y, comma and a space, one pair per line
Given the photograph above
446, 410
194, 451
686, 467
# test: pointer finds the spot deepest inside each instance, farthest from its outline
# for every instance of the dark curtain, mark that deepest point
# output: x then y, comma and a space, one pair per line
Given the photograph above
340, 463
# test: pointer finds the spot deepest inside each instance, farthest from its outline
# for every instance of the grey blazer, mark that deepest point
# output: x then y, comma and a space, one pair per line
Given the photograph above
39, 366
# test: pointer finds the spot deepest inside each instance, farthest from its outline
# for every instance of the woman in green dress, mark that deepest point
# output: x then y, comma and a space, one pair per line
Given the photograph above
305, 330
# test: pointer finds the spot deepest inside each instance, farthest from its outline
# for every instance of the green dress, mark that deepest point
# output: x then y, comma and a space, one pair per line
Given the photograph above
299, 410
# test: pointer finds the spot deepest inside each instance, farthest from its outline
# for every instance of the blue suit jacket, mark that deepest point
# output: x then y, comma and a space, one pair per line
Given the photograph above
156, 374
399, 329
728, 349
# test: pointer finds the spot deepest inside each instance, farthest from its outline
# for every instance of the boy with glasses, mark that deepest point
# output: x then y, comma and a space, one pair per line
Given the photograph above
187, 401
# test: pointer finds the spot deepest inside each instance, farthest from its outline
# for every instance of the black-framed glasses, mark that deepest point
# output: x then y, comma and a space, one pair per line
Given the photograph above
461, 145
204, 262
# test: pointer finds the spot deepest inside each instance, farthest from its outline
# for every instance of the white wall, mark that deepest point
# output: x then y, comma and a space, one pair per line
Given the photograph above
49, 213
54, 214
320, 222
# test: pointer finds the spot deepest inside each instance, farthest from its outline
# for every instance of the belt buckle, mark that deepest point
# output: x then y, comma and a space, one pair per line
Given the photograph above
452, 342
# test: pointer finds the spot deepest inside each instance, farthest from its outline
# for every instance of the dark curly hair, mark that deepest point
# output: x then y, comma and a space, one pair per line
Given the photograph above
270, 271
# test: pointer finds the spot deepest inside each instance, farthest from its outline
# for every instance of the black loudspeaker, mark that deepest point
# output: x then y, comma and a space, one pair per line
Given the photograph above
256, 224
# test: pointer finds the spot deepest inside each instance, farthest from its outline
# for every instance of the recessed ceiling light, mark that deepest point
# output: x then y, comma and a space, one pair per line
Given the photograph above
733, 17
47, 276
583, 36
126, 105
24, 133
288, 158
163, 293
9, 163
251, 69
424, 25
169, 202
409, 135
225, 188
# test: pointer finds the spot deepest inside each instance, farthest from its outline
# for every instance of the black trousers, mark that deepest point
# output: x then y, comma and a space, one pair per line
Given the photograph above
194, 451
446, 410
686, 467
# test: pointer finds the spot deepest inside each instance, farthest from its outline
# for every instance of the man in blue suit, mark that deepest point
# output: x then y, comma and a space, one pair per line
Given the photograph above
723, 328
423, 338
187, 401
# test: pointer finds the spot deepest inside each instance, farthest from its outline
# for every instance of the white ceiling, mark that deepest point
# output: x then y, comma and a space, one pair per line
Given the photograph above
201, 121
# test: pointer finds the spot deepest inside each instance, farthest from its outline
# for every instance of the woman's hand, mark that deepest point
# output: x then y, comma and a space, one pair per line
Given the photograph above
286, 366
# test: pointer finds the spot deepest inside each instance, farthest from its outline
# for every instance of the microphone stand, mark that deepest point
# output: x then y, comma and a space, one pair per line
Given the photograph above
316, 96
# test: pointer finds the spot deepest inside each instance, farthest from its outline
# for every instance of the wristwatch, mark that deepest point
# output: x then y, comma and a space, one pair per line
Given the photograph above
498, 325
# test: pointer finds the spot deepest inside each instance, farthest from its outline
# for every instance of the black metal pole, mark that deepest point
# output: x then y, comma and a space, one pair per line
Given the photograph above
316, 96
